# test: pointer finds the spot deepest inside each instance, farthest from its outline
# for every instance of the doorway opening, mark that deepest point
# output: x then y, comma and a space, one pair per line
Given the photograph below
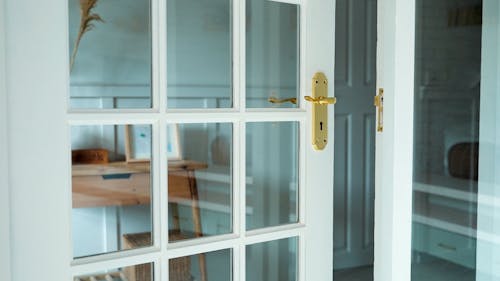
354, 181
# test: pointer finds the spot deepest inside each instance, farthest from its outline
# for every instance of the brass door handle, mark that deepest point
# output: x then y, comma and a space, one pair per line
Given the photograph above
276, 100
321, 100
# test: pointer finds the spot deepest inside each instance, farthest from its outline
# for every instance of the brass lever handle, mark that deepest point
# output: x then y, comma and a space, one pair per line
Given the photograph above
321, 100
276, 100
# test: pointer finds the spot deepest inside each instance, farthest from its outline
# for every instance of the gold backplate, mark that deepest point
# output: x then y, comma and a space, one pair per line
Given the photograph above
320, 112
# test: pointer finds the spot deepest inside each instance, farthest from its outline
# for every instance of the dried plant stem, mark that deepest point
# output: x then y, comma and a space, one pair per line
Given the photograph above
75, 50
86, 24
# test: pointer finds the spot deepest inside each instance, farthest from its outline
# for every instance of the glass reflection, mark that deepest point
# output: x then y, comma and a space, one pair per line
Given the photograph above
274, 260
272, 54
448, 140
141, 272
272, 150
111, 188
110, 54
207, 266
200, 180
199, 54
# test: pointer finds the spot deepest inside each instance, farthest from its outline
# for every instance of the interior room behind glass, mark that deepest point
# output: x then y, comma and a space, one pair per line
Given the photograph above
446, 138
113, 67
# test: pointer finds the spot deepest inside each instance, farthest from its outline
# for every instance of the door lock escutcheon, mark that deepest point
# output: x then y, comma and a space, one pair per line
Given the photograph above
320, 101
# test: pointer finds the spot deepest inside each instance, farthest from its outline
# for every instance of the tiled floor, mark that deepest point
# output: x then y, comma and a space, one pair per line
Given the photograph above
436, 270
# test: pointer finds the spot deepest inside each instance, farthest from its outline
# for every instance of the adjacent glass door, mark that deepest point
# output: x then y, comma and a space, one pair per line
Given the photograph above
438, 63
456, 160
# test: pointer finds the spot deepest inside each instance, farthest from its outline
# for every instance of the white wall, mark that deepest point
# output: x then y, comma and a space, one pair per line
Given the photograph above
4, 171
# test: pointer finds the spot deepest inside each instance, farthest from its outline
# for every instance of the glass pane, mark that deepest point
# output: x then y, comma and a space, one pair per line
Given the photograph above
272, 179
141, 272
110, 54
200, 180
272, 54
208, 266
111, 185
456, 163
199, 58
270, 261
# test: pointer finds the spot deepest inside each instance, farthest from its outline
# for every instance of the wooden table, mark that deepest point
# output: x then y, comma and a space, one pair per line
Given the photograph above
124, 184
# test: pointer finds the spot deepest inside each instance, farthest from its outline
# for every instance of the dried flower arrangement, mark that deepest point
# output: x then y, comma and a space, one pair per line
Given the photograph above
87, 19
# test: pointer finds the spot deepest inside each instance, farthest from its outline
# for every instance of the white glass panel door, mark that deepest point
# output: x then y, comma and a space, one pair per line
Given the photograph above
438, 64
455, 184
168, 140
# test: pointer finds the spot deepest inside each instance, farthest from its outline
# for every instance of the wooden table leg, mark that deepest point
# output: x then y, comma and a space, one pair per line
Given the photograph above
195, 207
175, 216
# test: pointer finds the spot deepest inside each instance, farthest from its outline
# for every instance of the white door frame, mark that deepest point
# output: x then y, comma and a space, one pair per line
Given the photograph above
394, 147
320, 224
4, 152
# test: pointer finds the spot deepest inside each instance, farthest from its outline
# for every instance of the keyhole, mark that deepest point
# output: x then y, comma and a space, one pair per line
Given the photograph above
321, 126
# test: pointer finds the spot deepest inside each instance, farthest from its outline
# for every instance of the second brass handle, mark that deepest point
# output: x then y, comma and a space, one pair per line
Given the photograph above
321, 100
276, 100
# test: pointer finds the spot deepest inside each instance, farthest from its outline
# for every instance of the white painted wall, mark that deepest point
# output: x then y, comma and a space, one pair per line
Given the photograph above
4, 154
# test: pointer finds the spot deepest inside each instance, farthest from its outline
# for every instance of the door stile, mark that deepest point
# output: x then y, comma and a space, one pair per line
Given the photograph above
4, 162
320, 27
394, 146
158, 63
238, 54
159, 45
488, 215
159, 194
239, 142
32, 120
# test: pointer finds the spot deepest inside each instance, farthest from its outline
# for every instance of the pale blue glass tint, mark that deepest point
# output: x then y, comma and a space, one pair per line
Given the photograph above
140, 272
272, 181
200, 180
217, 266
199, 54
447, 140
272, 54
111, 65
111, 188
274, 260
